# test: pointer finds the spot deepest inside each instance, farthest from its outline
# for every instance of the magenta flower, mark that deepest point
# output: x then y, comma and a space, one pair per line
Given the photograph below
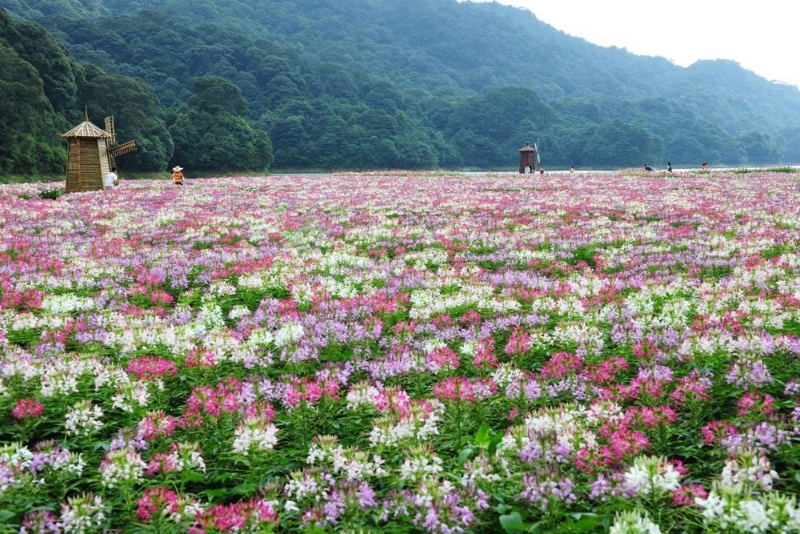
151, 367
686, 494
715, 431
238, 516
757, 403
27, 408
560, 365
155, 499
156, 424
519, 342
484, 353
441, 359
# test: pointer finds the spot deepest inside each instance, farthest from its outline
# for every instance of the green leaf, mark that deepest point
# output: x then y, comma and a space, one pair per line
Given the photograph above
484, 436
585, 522
221, 492
496, 439
465, 455
513, 522
193, 476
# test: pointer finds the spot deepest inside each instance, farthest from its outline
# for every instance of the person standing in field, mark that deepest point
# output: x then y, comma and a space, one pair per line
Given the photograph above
111, 180
669, 166
177, 175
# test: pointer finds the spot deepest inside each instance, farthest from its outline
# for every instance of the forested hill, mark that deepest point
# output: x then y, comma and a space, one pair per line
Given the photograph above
381, 83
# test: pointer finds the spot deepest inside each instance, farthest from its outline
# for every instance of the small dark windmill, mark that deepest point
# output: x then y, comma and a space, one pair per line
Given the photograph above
527, 157
90, 154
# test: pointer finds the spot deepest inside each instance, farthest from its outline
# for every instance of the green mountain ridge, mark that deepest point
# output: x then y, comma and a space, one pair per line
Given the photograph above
379, 83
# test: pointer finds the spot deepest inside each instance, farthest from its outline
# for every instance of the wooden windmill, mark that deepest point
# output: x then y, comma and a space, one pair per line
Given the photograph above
90, 154
527, 157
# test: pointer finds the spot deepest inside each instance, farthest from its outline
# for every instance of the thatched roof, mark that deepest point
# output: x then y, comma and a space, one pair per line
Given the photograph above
87, 129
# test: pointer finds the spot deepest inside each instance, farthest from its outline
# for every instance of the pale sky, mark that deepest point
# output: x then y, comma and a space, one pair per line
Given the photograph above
762, 36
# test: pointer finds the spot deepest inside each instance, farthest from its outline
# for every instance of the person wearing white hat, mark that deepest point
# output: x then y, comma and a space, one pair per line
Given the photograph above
177, 175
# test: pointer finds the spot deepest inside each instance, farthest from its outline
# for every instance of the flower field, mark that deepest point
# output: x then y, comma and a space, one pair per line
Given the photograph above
403, 352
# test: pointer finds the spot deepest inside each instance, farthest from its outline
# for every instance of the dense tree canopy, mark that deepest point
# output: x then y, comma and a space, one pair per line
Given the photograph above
243, 85
27, 120
211, 132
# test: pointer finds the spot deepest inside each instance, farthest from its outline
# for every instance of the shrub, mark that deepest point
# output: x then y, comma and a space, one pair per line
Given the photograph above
52, 194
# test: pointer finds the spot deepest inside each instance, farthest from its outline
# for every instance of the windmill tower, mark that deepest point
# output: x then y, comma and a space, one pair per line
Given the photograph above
527, 155
90, 154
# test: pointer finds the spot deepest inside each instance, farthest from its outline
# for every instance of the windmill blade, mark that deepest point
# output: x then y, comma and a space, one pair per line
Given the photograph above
124, 148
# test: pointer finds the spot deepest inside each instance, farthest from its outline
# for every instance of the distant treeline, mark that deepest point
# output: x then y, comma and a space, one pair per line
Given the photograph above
243, 85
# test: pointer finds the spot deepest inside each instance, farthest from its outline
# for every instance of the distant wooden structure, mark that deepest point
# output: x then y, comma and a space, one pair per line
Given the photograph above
527, 156
90, 155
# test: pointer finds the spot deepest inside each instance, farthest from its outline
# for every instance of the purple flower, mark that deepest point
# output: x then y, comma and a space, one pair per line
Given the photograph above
366, 496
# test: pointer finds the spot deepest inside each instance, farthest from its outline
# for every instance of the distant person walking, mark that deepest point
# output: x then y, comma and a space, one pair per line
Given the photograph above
177, 175
572, 169
111, 180
669, 166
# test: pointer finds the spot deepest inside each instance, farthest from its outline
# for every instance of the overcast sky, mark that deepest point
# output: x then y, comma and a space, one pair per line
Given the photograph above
762, 36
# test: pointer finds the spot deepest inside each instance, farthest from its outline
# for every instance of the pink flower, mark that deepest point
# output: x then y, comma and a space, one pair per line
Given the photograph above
605, 371
236, 516
462, 389
755, 402
200, 357
470, 317
156, 424
27, 407
714, 431
260, 410
150, 367
484, 353
442, 358
310, 390
561, 364
155, 499
162, 462
519, 342
644, 350
686, 494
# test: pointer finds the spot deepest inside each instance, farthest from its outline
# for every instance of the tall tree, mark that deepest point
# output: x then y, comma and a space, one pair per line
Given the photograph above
28, 123
211, 133
137, 115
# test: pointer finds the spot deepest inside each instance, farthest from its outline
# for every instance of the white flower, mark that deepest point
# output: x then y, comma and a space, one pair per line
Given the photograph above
83, 419
633, 522
251, 434
16, 454
750, 467
420, 465
120, 466
362, 394
65, 304
288, 333
649, 475
82, 514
